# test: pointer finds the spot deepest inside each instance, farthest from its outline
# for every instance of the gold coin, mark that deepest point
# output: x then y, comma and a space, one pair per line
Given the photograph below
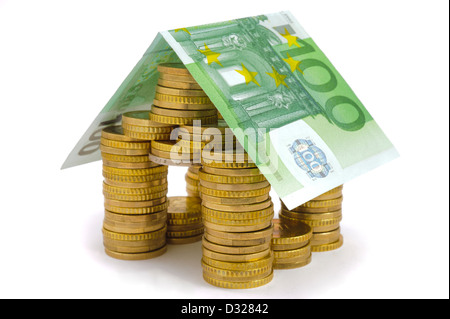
237, 209
182, 120
323, 203
175, 162
296, 259
160, 129
191, 182
179, 85
134, 191
230, 164
136, 211
126, 145
331, 194
187, 233
142, 119
235, 242
173, 68
125, 159
149, 203
227, 158
183, 106
294, 265
313, 216
167, 146
234, 187
238, 285
329, 247
131, 229
219, 128
289, 232
192, 193
136, 243
199, 146
125, 165
234, 201
235, 258
139, 256
144, 219
147, 136
233, 250
237, 228
192, 175
134, 224
239, 266
173, 155
325, 238
135, 250
182, 207
115, 133
183, 113
242, 218
232, 172
318, 210
235, 194
135, 172
134, 179
236, 276
157, 182
182, 99
184, 221
184, 240
179, 92
192, 188
251, 235
231, 179
184, 227
134, 237
313, 223
294, 253
177, 77
290, 246
123, 151
135, 198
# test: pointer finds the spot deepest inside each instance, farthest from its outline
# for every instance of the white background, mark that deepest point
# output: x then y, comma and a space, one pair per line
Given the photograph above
60, 62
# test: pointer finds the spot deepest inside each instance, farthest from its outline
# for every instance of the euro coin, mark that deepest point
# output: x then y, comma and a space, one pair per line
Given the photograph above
115, 133
234, 187
239, 266
251, 235
235, 250
235, 194
138, 256
123, 151
234, 201
238, 285
292, 265
179, 85
232, 172
288, 232
329, 247
184, 240
142, 119
173, 68
325, 238
179, 92
140, 219
235, 258
219, 226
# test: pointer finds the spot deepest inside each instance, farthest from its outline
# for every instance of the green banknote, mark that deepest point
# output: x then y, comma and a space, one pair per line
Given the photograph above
288, 106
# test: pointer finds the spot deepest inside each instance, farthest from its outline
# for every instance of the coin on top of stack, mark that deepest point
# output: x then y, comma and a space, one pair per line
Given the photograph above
324, 215
291, 244
137, 125
192, 181
184, 220
179, 100
135, 190
237, 213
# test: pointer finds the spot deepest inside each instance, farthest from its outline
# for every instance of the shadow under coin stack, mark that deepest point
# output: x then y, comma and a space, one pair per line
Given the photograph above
323, 214
184, 220
291, 244
135, 191
237, 213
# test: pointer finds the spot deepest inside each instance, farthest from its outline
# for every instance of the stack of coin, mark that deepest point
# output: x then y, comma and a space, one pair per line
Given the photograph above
323, 214
179, 99
192, 181
237, 214
291, 244
184, 220
137, 125
135, 192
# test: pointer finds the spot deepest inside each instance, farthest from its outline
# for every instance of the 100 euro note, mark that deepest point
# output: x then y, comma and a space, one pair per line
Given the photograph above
288, 106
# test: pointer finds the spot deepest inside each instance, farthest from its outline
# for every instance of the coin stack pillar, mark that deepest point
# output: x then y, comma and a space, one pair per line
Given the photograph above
323, 214
135, 189
237, 214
